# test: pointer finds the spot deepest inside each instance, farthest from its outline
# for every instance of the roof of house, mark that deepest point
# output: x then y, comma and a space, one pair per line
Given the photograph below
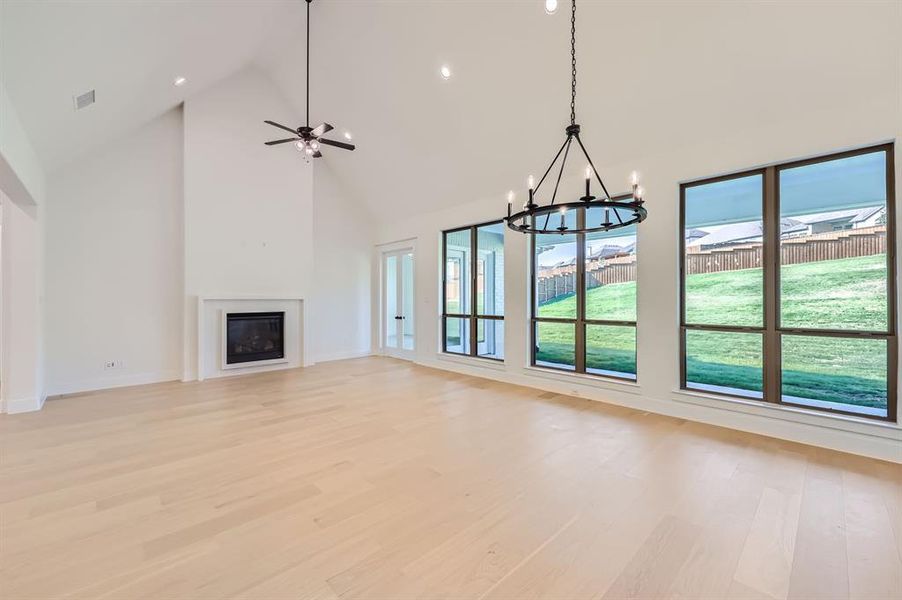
611, 250
736, 233
732, 233
693, 233
855, 215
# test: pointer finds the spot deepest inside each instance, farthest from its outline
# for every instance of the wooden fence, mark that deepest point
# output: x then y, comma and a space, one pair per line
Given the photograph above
850, 243
560, 281
833, 245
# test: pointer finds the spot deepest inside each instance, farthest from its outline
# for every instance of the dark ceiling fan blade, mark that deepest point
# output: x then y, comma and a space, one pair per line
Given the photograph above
322, 129
274, 142
274, 124
336, 144
317, 154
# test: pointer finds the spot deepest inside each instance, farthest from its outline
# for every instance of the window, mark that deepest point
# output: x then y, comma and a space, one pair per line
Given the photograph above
584, 299
788, 290
473, 279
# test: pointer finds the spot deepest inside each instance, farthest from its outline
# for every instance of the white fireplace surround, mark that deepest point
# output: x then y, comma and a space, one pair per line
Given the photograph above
211, 310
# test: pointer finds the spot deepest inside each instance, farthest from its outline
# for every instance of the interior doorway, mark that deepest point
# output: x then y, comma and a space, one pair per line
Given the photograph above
398, 323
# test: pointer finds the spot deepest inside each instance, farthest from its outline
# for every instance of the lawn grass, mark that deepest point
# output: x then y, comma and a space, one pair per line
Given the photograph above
849, 293
842, 294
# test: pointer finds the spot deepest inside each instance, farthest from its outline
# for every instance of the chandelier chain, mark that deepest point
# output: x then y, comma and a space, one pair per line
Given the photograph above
573, 63
627, 210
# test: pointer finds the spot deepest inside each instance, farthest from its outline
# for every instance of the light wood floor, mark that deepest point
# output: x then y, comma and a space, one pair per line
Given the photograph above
374, 478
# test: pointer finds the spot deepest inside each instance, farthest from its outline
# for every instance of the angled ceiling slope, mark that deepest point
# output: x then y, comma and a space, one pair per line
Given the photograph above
653, 76
129, 52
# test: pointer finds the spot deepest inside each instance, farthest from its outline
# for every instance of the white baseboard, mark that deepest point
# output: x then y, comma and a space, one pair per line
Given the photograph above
342, 356
13, 406
876, 440
105, 383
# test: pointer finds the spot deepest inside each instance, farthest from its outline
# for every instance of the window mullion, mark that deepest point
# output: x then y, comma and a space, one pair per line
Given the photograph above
580, 333
444, 273
892, 358
474, 337
771, 221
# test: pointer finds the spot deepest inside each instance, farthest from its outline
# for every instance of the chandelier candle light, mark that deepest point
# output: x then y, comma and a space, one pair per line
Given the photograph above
625, 212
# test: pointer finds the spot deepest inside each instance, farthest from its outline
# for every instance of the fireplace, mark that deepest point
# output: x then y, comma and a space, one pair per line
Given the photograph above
254, 337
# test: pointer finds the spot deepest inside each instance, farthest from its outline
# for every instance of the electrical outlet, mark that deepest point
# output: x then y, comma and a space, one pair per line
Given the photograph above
112, 364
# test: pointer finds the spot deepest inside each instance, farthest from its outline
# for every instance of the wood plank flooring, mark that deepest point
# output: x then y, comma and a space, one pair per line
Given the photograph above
375, 478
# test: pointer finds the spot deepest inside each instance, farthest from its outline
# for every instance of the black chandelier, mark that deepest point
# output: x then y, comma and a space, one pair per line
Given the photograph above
617, 213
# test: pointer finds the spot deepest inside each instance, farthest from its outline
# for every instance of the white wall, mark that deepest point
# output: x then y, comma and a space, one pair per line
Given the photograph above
343, 243
114, 262
248, 207
21, 388
21, 174
193, 203
22, 187
746, 145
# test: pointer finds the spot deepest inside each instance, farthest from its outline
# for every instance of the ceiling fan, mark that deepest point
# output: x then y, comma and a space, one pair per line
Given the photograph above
308, 139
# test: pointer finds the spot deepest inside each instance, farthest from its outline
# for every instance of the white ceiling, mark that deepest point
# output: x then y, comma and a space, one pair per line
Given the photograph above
652, 75
129, 51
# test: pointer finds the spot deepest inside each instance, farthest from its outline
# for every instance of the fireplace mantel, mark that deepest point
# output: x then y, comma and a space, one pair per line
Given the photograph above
207, 297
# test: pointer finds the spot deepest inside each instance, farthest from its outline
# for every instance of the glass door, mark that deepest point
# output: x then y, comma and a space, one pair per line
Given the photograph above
398, 325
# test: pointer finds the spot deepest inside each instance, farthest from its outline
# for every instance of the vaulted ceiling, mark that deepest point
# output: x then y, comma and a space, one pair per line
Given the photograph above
652, 76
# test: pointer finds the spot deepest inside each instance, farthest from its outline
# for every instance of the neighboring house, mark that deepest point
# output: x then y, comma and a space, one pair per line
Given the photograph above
841, 220
750, 232
564, 263
611, 250
605, 251
729, 235
693, 234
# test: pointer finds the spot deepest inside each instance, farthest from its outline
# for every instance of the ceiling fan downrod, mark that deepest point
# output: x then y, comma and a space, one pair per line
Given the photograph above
308, 140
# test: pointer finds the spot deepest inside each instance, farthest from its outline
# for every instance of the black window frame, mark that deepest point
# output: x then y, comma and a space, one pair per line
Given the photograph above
580, 322
771, 330
472, 315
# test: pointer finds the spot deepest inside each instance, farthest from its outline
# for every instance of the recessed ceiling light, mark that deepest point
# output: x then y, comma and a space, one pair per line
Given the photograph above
550, 6
348, 135
180, 81
445, 71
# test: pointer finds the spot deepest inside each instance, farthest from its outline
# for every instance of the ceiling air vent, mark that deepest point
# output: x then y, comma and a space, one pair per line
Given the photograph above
84, 100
